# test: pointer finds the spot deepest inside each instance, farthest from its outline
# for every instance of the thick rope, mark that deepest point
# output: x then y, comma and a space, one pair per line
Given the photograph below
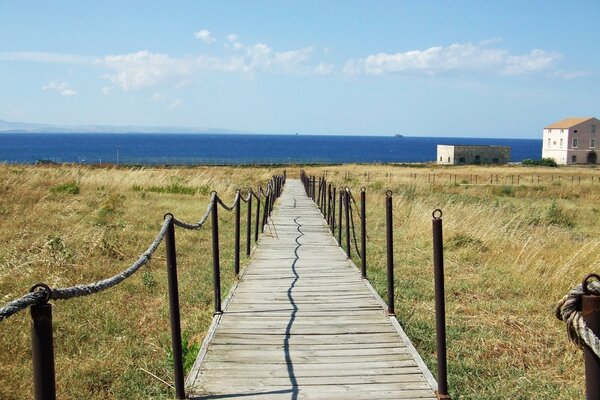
248, 197
568, 309
39, 297
225, 206
200, 223
22, 302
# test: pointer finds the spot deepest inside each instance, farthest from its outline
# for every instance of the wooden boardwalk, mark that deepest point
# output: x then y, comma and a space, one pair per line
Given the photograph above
301, 323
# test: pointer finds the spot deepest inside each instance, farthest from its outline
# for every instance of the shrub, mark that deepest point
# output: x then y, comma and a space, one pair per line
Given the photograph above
544, 162
69, 188
555, 215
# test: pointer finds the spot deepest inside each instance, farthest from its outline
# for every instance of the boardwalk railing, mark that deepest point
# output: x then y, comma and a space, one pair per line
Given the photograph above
42, 341
324, 195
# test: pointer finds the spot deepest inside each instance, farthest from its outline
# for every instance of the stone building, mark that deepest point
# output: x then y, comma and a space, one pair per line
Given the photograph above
571, 141
467, 154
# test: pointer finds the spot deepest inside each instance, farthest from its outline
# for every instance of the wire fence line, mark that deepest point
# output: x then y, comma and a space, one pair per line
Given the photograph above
41, 293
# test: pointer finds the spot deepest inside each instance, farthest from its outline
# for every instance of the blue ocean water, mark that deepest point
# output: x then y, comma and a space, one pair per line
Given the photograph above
171, 149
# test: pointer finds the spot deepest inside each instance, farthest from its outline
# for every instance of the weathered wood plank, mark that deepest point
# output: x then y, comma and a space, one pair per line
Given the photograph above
303, 324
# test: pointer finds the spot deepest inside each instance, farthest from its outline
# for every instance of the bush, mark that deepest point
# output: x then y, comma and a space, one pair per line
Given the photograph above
544, 162
555, 215
69, 188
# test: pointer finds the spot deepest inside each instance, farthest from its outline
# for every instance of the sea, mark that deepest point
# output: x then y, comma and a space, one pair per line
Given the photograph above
236, 149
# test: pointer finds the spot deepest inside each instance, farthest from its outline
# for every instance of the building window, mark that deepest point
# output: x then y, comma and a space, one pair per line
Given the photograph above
575, 131
448, 159
440, 158
461, 160
549, 130
495, 160
562, 131
575, 143
592, 142
554, 143
573, 159
593, 128
548, 142
561, 142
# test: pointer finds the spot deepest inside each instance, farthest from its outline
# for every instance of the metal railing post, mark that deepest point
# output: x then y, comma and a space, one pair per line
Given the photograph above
363, 232
249, 223
236, 245
215, 246
319, 194
266, 212
257, 215
340, 218
312, 192
590, 309
347, 214
42, 349
174, 309
333, 200
329, 204
390, 252
440, 305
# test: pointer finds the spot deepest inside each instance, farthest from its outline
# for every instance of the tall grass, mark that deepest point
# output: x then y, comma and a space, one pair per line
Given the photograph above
511, 252
111, 344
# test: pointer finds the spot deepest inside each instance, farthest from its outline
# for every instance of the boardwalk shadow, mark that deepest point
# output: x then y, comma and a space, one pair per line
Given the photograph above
238, 395
288, 330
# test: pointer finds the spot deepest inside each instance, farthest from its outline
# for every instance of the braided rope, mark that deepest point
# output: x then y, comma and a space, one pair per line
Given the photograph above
200, 223
84, 290
247, 199
45, 294
225, 206
568, 309
19, 304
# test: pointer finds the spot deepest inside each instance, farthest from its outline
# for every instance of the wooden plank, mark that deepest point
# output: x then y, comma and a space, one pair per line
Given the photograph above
303, 324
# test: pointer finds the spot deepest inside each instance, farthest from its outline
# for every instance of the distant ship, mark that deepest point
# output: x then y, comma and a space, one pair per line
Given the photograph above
399, 135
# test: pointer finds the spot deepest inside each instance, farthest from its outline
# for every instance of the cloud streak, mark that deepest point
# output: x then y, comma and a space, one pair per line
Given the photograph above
205, 36
61, 88
456, 58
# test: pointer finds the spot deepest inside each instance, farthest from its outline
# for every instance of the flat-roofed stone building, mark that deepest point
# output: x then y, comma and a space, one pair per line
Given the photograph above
468, 154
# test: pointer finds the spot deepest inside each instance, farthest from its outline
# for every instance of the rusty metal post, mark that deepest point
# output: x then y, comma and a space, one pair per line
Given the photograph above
328, 207
216, 266
312, 193
347, 214
340, 217
236, 260
363, 232
266, 212
174, 309
590, 309
42, 348
333, 200
440, 305
390, 252
257, 215
319, 194
249, 223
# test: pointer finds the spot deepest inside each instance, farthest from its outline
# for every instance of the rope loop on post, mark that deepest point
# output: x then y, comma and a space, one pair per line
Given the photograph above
568, 310
437, 214
389, 194
42, 288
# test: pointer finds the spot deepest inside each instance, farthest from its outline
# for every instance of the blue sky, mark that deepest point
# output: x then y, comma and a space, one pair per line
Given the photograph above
422, 68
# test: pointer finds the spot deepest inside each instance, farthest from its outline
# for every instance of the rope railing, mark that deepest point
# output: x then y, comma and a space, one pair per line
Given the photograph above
324, 195
40, 294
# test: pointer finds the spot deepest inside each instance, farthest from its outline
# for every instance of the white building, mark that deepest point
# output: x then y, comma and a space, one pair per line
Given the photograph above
572, 141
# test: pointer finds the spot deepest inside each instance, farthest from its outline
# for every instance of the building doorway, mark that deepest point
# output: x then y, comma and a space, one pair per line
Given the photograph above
592, 157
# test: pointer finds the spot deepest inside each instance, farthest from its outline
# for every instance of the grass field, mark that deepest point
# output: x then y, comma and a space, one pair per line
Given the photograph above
511, 252
516, 239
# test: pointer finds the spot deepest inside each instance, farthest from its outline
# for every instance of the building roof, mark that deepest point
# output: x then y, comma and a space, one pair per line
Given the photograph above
568, 122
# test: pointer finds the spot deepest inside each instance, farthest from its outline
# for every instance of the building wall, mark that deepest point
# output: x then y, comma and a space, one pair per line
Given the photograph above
445, 154
558, 143
453, 155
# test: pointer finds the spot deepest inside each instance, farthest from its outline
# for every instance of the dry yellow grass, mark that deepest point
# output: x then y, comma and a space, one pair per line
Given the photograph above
108, 344
511, 253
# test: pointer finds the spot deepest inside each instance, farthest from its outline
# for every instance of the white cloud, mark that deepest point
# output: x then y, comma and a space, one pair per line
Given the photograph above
459, 57
568, 75
61, 88
205, 36
324, 69
106, 90
144, 69
176, 104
